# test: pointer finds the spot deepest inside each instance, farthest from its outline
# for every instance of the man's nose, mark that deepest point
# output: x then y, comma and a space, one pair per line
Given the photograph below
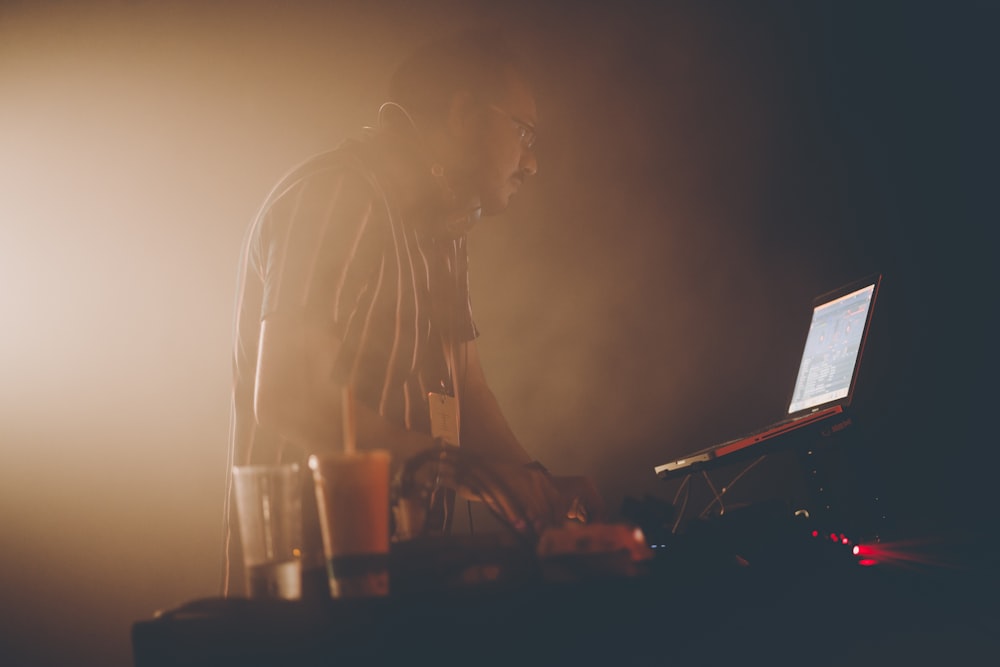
529, 163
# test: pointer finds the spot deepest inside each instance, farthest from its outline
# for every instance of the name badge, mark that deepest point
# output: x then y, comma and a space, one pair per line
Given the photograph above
444, 417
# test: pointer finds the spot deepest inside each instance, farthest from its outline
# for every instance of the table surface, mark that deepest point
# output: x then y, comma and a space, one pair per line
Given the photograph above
695, 611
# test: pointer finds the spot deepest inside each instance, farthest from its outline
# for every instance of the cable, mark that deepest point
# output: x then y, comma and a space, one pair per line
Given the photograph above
490, 491
725, 489
680, 488
708, 480
481, 482
680, 512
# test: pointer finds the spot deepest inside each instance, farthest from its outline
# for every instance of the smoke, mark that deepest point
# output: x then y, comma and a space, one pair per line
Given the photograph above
633, 265
629, 293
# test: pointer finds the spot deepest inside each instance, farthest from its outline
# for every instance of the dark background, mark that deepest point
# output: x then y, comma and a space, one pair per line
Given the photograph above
706, 169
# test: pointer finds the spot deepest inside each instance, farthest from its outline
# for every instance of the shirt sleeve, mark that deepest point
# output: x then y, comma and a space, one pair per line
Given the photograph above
322, 246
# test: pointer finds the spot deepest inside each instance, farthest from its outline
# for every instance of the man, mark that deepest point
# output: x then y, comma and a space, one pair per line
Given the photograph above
355, 276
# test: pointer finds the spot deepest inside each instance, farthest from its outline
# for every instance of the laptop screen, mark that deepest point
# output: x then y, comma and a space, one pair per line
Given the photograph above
832, 348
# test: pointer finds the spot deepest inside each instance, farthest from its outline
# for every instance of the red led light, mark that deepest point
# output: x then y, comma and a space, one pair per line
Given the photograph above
815, 533
867, 562
856, 550
833, 537
844, 540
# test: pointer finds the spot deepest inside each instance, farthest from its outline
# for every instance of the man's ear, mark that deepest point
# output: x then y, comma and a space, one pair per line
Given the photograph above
462, 114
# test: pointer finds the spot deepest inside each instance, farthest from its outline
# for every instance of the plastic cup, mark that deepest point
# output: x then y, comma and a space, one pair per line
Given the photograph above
269, 510
352, 496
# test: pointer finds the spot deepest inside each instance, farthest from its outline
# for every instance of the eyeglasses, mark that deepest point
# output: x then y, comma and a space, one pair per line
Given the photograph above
525, 132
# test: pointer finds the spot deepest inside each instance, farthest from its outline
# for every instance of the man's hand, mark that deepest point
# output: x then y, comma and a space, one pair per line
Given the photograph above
527, 496
585, 503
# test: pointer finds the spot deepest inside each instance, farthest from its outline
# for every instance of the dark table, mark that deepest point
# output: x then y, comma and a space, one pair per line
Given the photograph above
793, 605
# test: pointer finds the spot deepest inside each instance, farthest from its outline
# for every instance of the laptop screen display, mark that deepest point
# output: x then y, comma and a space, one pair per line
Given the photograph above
831, 351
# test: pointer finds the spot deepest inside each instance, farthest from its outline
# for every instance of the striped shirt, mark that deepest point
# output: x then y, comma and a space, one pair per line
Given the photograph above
332, 245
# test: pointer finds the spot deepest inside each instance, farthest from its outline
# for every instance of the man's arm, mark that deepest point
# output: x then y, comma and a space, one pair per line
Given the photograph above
295, 395
485, 430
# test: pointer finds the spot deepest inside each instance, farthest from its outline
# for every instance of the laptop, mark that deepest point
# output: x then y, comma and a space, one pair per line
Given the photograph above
824, 382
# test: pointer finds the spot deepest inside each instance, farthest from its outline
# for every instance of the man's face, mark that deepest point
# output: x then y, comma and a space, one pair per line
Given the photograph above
503, 156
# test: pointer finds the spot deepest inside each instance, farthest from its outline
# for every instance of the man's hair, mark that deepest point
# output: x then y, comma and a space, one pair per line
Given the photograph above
473, 61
